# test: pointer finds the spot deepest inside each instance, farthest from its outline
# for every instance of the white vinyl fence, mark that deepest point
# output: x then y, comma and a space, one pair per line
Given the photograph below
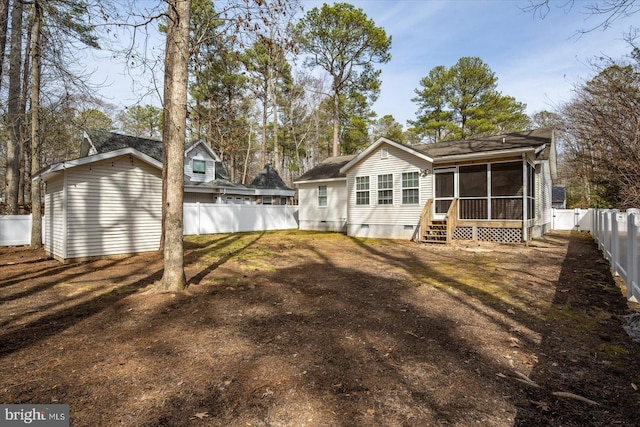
618, 237
199, 218
571, 219
15, 230
212, 218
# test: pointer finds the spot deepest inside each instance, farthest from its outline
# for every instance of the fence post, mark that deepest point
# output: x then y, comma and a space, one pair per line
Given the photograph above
597, 220
633, 254
198, 218
614, 241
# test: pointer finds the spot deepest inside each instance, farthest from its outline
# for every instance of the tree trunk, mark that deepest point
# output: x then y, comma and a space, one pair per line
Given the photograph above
177, 54
4, 21
12, 174
24, 191
263, 148
336, 121
36, 216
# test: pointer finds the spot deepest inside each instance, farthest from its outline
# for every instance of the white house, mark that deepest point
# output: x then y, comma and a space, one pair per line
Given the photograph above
495, 188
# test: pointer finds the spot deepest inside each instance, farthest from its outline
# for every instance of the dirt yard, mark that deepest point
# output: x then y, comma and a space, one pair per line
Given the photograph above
312, 329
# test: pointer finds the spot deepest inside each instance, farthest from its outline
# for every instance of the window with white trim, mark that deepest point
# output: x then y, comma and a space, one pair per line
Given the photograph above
362, 190
322, 196
385, 189
410, 188
199, 166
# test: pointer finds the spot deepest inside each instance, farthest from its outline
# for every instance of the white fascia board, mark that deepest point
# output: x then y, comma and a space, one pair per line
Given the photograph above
312, 181
485, 155
219, 190
378, 143
274, 192
96, 158
208, 149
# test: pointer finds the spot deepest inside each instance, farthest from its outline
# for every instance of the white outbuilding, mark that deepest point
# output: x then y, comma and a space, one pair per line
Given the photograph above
102, 205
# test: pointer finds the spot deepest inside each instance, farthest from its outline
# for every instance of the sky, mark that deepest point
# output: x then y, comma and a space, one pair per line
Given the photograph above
538, 61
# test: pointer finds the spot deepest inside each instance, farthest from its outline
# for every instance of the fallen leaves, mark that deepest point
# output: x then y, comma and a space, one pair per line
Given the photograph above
200, 415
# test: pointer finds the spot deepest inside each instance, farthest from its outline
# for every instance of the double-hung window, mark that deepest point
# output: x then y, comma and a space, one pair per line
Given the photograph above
362, 190
199, 166
322, 196
410, 188
385, 189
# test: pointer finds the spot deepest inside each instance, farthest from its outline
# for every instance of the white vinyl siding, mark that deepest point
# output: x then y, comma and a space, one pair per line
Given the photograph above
543, 194
113, 207
397, 163
199, 154
54, 216
312, 216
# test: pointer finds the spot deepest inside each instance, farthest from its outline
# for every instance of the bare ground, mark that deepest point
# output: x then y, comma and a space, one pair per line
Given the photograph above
300, 328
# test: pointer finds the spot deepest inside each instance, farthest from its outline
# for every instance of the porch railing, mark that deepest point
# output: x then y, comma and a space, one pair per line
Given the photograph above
425, 218
452, 219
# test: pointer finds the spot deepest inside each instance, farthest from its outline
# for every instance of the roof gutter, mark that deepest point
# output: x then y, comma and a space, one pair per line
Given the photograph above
308, 181
485, 155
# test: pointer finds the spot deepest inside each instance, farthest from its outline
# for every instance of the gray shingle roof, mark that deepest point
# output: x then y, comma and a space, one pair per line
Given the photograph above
507, 141
328, 169
105, 141
268, 177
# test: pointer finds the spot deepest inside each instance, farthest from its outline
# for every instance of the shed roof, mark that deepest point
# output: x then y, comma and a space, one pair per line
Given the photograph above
327, 169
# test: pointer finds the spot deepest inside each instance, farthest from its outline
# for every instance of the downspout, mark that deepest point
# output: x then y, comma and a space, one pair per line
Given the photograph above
525, 198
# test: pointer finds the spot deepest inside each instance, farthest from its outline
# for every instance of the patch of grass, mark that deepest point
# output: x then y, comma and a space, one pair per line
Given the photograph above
613, 350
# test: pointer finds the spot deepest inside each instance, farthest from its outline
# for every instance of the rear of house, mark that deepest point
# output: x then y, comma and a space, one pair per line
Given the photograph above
386, 189
495, 188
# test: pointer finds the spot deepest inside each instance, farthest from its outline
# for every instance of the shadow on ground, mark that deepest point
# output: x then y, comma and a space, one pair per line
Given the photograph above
319, 329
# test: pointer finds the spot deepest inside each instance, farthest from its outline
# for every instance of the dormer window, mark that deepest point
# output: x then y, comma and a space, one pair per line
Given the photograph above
199, 166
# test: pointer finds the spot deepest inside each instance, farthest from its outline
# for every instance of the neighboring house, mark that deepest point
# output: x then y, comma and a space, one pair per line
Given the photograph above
559, 197
109, 201
270, 189
206, 180
495, 188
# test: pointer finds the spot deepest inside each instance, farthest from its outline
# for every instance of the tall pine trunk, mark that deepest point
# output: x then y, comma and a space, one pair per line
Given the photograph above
177, 59
336, 121
4, 24
36, 200
14, 126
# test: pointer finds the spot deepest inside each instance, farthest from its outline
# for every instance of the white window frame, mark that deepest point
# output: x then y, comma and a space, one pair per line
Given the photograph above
322, 196
385, 192
361, 190
414, 190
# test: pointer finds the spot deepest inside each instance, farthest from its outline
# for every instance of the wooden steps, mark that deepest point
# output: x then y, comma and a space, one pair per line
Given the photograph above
435, 232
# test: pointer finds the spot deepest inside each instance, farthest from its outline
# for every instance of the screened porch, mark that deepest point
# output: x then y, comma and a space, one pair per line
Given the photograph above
500, 191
